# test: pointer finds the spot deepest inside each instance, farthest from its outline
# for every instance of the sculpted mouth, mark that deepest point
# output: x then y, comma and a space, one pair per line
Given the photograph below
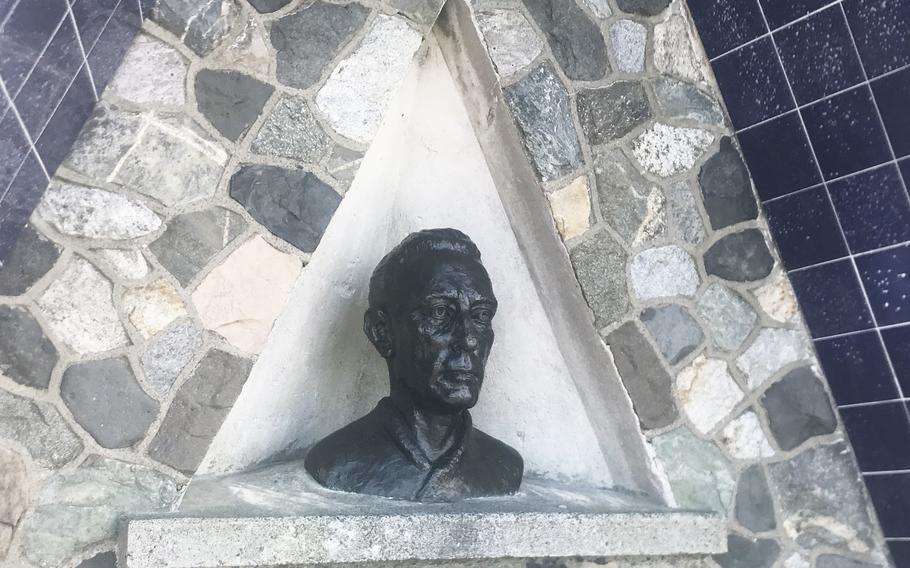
460, 377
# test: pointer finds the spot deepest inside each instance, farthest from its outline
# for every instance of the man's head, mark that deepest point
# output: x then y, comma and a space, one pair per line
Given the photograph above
430, 317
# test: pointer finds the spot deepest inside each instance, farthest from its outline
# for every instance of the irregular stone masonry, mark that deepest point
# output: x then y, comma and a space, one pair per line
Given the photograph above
619, 117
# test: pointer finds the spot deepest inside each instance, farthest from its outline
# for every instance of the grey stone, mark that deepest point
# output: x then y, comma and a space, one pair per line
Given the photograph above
601, 8
103, 141
674, 330
600, 265
92, 213
342, 164
576, 43
540, 105
643, 7
201, 25
727, 188
101, 560
612, 112
106, 400
231, 101
700, 475
745, 552
15, 487
39, 428
648, 384
293, 204
292, 131
308, 39
728, 316
677, 99
30, 259
821, 500
422, 12
81, 508
191, 240
798, 408
835, 561
628, 40
754, 508
200, 407
26, 355
741, 257
511, 40
664, 272
268, 6
168, 353
634, 207
685, 221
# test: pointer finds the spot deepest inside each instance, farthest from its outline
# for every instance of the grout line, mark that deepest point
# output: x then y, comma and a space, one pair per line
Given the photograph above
59, 102
858, 331
875, 403
15, 175
69, 10
104, 27
849, 255
894, 163
9, 14
28, 138
887, 472
40, 56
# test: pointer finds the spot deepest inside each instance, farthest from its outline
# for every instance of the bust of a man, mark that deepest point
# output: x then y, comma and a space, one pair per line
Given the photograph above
430, 316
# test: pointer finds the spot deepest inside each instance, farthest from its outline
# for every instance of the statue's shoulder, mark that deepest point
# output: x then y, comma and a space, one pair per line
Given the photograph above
345, 458
498, 459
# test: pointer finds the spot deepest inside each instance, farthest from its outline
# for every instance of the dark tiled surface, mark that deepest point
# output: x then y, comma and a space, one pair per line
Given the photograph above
66, 122
818, 55
23, 37
727, 23
13, 147
91, 16
900, 553
17, 203
873, 208
897, 342
891, 497
891, 94
831, 299
805, 228
113, 43
886, 278
856, 368
880, 435
781, 12
880, 30
779, 156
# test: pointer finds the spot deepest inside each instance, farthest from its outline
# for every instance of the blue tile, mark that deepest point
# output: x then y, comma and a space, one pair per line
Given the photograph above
873, 208
880, 30
891, 94
779, 157
805, 228
880, 435
726, 24
753, 83
50, 79
886, 278
13, 147
831, 299
846, 133
113, 43
897, 342
23, 37
18, 202
856, 368
900, 553
782, 12
818, 55
891, 497
63, 127
91, 17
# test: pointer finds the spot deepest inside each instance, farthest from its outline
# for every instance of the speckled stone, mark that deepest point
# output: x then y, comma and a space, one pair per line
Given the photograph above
576, 43
512, 42
754, 508
700, 475
648, 384
674, 331
15, 490
728, 316
727, 188
600, 265
611, 112
740, 257
707, 392
771, 351
30, 259
643, 7
666, 150
677, 99
743, 552
664, 272
292, 131
601, 8
632, 206
152, 72
105, 138
798, 408
39, 428
201, 25
307, 40
540, 105
685, 220
675, 51
745, 439
93, 213
168, 353
126, 264
27, 356
106, 400
230, 101
628, 40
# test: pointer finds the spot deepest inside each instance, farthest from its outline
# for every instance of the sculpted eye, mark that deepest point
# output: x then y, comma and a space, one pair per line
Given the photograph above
439, 312
483, 315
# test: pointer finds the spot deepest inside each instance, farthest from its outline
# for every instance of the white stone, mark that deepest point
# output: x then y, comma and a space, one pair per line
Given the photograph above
249, 51
127, 264
79, 309
512, 42
95, 213
744, 438
571, 208
663, 272
356, 94
152, 308
241, 297
707, 392
675, 51
666, 150
771, 351
628, 40
796, 560
601, 8
776, 298
152, 72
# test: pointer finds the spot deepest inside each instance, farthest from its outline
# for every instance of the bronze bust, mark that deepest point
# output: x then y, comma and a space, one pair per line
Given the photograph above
431, 307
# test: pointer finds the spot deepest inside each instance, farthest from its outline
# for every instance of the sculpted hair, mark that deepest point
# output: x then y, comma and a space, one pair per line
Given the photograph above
383, 280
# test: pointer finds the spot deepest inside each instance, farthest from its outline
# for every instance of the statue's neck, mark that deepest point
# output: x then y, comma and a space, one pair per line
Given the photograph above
435, 432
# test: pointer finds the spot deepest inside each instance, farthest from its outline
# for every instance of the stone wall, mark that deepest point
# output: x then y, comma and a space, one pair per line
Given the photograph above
138, 298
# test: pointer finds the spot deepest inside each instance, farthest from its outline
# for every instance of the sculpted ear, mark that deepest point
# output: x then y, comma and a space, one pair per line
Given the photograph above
378, 328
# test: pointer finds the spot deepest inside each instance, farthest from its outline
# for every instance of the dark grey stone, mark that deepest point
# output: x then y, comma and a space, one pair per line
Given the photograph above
540, 105
231, 101
576, 43
627, 200
741, 257
31, 258
101, 560
268, 6
674, 330
835, 561
648, 384
293, 204
200, 407
726, 187
600, 265
643, 7
38, 427
106, 400
191, 240
308, 39
422, 12
612, 112
748, 553
682, 100
26, 355
821, 498
798, 408
754, 508
202, 25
